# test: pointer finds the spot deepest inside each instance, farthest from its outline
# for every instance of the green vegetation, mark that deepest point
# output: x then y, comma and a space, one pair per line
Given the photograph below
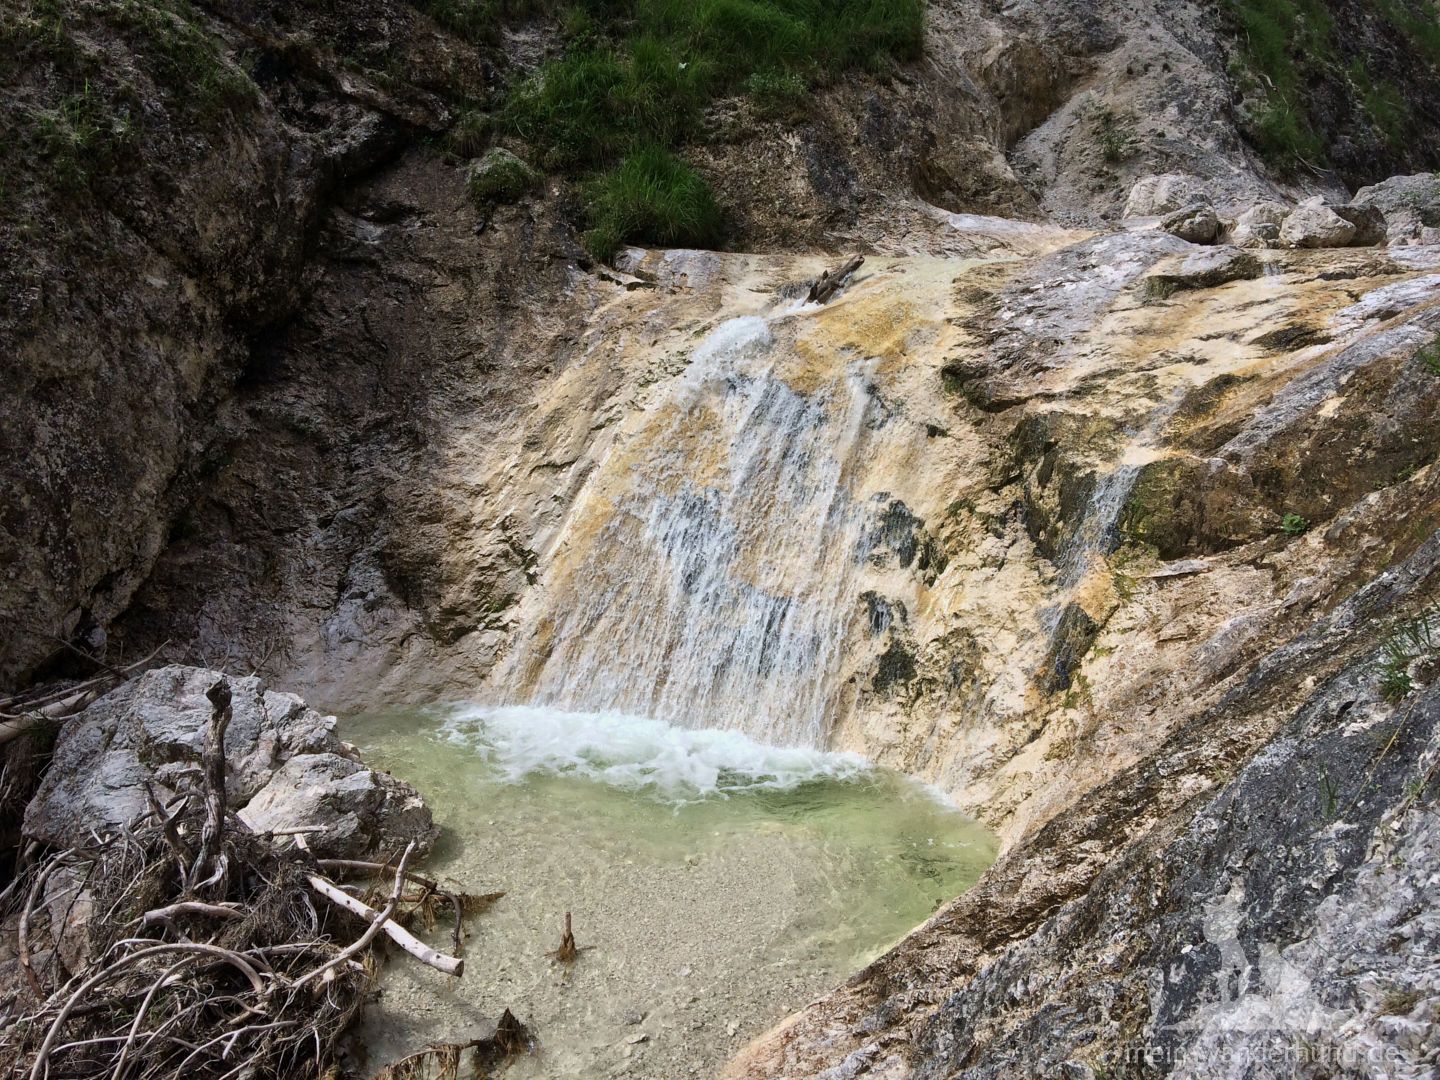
1415, 639
1429, 356
1289, 48
478, 20
1383, 103
638, 74
1294, 524
1275, 33
500, 177
651, 196
92, 130
1113, 134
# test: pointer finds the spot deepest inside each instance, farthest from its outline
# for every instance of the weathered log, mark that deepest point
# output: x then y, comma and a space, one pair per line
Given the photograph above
830, 280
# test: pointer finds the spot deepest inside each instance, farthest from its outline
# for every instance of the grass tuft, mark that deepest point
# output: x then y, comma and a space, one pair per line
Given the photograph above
652, 197
1415, 639
638, 74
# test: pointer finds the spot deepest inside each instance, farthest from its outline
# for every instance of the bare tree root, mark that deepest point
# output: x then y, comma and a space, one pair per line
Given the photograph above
567, 952
239, 975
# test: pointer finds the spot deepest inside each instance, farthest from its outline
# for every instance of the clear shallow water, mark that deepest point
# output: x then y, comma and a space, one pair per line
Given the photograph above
722, 883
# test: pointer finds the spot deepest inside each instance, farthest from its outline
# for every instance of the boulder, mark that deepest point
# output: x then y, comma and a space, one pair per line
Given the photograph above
1155, 196
1197, 223
1203, 270
499, 177
1369, 224
1408, 203
365, 814
1259, 227
152, 730
1314, 225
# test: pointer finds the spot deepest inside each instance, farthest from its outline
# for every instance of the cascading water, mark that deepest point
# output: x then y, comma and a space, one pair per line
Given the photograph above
705, 578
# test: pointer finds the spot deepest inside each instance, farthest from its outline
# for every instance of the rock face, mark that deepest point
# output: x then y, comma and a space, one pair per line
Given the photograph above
284, 768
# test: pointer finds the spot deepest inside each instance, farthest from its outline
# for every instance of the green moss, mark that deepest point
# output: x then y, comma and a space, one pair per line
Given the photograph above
500, 177
1294, 525
651, 197
1148, 518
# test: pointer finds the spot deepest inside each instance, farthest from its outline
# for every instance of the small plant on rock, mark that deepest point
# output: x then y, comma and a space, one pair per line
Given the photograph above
1429, 356
1294, 525
1415, 639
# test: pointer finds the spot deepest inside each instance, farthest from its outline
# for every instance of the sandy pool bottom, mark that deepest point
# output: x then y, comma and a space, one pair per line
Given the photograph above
722, 884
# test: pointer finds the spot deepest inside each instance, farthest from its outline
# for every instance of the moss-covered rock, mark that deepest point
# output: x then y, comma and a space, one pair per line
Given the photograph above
500, 177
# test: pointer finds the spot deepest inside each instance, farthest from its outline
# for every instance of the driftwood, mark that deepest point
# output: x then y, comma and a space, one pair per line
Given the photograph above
511, 1038
212, 857
51, 705
240, 975
831, 280
450, 965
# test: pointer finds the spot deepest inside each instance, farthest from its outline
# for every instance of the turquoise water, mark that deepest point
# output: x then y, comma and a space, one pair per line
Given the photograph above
723, 883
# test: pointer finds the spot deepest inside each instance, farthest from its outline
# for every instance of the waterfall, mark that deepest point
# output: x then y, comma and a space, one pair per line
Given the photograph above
1097, 533
706, 575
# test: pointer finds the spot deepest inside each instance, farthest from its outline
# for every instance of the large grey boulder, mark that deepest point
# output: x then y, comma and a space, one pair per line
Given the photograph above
152, 730
1314, 225
364, 813
1369, 223
1409, 204
1196, 224
1259, 227
1155, 196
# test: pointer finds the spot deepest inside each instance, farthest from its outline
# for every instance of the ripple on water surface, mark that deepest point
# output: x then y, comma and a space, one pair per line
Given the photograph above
723, 883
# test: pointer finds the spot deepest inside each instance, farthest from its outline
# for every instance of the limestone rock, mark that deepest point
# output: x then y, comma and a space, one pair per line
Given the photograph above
1369, 224
1313, 225
1197, 224
152, 729
1259, 226
1207, 269
1155, 196
365, 814
1408, 203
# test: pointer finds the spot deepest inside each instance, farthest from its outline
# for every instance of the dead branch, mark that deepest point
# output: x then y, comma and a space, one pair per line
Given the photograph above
23, 934
189, 907
457, 904
212, 857
439, 961
830, 280
171, 834
376, 924
30, 702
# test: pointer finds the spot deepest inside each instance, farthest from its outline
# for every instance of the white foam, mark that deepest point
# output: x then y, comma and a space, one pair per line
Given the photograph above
675, 764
